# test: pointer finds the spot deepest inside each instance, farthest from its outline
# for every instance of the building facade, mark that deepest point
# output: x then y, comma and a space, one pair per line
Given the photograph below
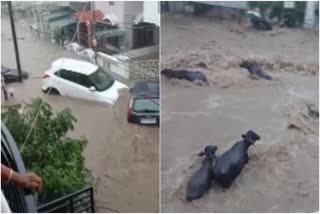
311, 18
127, 16
234, 10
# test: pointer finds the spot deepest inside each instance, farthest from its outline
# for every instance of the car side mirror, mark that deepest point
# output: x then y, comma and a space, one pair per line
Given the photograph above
92, 88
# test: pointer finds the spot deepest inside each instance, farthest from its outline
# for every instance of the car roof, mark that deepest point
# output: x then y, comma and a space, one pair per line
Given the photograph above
147, 87
82, 67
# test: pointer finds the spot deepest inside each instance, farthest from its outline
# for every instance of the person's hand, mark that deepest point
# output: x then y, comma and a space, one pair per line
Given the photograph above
30, 181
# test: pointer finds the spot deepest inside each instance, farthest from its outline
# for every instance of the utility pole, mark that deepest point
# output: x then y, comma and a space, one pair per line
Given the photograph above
14, 38
93, 30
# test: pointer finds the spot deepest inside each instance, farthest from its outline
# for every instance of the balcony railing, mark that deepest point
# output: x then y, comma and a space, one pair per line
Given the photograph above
22, 201
77, 202
18, 199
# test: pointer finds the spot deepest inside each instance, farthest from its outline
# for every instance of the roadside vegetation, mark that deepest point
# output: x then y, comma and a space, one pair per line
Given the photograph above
48, 151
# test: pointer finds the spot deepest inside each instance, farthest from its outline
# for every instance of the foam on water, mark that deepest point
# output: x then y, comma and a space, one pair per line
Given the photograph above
198, 116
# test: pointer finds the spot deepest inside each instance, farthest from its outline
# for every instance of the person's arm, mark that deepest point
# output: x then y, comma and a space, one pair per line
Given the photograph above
29, 180
5, 172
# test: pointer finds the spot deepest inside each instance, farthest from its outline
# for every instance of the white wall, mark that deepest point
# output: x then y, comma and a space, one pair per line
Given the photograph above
118, 9
125, 11
132, 10
309, 17
151, 12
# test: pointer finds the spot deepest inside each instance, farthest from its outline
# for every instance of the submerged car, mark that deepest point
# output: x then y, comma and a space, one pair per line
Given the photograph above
12, 75
79, 79
144, 103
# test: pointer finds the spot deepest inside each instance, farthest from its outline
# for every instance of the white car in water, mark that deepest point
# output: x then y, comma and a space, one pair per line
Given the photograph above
84, 80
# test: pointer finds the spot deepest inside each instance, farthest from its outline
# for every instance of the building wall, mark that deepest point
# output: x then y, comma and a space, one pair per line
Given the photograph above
78, 6
234, 10
176, 6
114, 7
151, 12
132, 10
227, 13
39, 9
125, 11
156, 34
229, 4
310, 17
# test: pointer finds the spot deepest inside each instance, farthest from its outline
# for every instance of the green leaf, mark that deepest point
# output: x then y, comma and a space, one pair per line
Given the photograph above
58, 159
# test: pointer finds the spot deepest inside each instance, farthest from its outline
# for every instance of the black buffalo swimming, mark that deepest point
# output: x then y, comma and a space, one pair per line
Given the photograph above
229, 165
200, 182
255, 70
185, 74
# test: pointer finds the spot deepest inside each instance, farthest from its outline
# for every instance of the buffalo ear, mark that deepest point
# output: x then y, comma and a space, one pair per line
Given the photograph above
243, 136
201, 153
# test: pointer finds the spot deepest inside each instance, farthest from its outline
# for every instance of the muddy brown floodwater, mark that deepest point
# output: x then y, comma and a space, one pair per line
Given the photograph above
123, 158
282, 174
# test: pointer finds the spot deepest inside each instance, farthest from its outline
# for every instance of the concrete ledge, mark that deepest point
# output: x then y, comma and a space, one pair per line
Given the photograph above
137, 53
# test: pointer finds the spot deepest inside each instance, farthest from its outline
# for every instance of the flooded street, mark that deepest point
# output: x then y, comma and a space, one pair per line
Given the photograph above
123, 158
282, 174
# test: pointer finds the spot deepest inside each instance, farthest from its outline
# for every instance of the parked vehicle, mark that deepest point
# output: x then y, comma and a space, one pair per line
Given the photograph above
12, 75
84, 80
144, 103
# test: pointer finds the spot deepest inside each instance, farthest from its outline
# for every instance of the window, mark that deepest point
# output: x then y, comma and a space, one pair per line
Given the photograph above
84, 81
75, 77
101, 80
146, 105
67, 75
143, 35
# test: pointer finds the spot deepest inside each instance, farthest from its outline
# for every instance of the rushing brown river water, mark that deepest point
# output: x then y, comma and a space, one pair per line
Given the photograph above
282, 174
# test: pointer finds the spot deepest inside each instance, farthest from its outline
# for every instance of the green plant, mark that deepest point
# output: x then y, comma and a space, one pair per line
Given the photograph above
48, 151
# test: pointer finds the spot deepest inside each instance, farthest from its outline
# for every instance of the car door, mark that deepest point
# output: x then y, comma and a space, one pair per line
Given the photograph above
83, 87
67, 83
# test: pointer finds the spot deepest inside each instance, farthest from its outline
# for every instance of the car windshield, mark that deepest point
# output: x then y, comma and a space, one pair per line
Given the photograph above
146, 105
101, 80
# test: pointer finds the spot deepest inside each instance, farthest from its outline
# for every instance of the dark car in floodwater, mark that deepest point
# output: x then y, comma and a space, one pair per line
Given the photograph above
144, 104
12, 75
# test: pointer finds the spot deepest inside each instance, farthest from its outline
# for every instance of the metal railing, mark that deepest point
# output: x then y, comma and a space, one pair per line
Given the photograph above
22, 201
77, 202
18, 199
